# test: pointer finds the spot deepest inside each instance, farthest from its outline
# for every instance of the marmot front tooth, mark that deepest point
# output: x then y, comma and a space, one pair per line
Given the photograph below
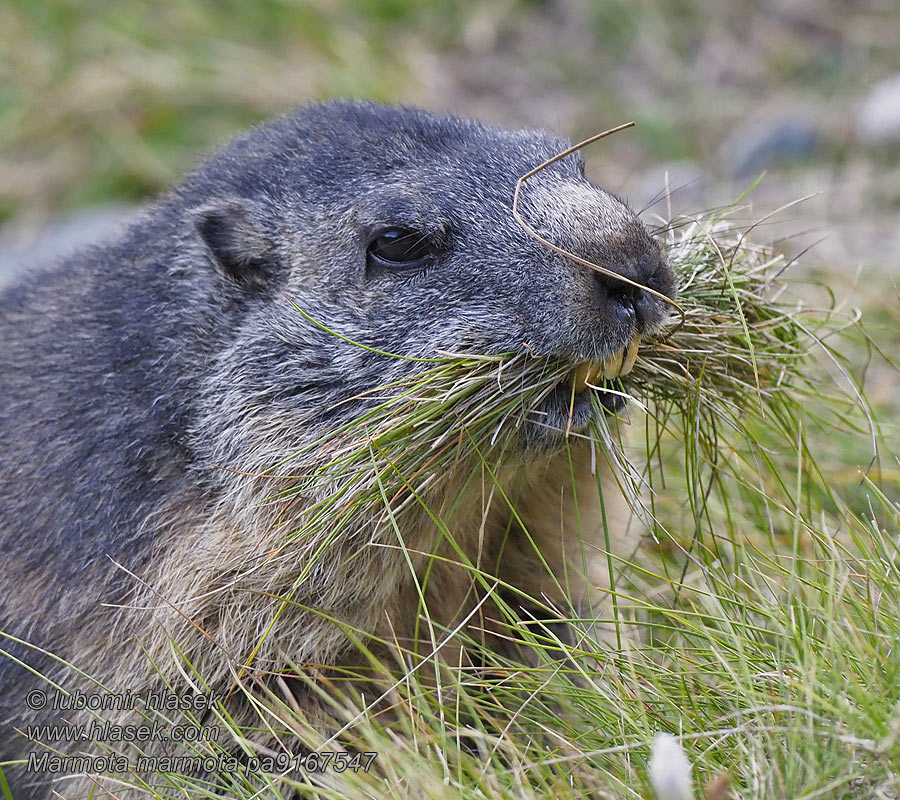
631, 354
580, 377
596, 374
588, 373
613, 365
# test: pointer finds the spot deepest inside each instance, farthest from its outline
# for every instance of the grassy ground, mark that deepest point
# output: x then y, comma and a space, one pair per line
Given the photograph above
764, 607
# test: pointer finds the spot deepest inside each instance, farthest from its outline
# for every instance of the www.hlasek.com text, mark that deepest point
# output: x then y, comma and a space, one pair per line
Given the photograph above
108, 732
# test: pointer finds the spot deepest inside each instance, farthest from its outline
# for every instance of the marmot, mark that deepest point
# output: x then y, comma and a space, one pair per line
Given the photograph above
156, 391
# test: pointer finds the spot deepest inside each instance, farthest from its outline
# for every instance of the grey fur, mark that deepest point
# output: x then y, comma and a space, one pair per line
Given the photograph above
144, 382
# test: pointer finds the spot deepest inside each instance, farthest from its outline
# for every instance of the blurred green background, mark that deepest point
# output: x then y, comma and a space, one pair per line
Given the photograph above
104, 100
105, 103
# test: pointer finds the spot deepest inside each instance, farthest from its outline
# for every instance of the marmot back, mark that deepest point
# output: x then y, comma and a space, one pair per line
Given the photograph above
156, 392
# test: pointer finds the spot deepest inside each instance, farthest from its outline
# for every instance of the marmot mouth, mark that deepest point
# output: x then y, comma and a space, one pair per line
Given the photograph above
591, 374
570, 407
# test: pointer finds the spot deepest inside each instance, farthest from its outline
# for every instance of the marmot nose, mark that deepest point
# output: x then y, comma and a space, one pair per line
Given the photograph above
627, 303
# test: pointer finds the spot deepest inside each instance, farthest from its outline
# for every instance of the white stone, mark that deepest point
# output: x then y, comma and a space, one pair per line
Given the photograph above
878, 119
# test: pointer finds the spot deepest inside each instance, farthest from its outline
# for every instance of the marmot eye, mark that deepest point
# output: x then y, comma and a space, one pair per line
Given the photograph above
398, 247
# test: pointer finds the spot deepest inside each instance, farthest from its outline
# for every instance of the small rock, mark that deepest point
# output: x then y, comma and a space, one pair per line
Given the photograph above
878, 119
754, 148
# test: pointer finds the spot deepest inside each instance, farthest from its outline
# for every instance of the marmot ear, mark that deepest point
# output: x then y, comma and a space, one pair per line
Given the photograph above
234, 231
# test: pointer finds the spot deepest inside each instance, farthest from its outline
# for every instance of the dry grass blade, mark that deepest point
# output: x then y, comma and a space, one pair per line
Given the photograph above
555, 247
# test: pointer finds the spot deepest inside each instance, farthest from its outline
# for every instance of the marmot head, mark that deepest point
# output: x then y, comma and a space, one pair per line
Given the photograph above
393, 227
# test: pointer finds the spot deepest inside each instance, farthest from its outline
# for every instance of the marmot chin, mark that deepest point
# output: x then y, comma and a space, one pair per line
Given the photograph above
155, 392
